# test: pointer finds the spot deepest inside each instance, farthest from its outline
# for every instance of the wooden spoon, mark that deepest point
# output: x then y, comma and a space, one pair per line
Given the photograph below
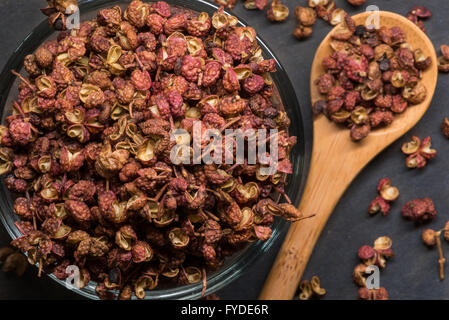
336, 161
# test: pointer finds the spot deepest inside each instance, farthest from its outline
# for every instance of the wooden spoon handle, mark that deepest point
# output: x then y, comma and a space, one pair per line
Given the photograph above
330, 174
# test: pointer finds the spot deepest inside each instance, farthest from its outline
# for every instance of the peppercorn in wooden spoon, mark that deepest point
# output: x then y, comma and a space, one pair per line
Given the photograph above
337, 159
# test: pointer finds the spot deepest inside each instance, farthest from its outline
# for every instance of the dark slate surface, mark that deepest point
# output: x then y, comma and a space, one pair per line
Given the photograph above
413, 273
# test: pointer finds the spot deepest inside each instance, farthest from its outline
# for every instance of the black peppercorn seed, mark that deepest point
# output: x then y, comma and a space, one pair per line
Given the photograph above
360, 30
384, 65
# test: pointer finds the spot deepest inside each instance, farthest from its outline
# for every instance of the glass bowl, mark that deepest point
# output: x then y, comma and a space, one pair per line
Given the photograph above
234, 266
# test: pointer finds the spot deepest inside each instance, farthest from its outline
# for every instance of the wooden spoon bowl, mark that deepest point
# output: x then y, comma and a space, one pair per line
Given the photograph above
336, 161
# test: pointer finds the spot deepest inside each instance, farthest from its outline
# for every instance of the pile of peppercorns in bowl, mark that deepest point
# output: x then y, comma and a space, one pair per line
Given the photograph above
86, 150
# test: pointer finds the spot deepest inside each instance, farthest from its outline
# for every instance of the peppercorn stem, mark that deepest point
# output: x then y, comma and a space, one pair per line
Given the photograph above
442, 260
282, 192
18, 75
159, 194
158, 73
210, 214
129, 65
235, 165
172, 123
139, 62
131, 274
177, 175
130, 110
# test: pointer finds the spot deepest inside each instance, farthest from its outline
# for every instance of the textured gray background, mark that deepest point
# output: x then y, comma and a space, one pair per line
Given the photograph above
413, 273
